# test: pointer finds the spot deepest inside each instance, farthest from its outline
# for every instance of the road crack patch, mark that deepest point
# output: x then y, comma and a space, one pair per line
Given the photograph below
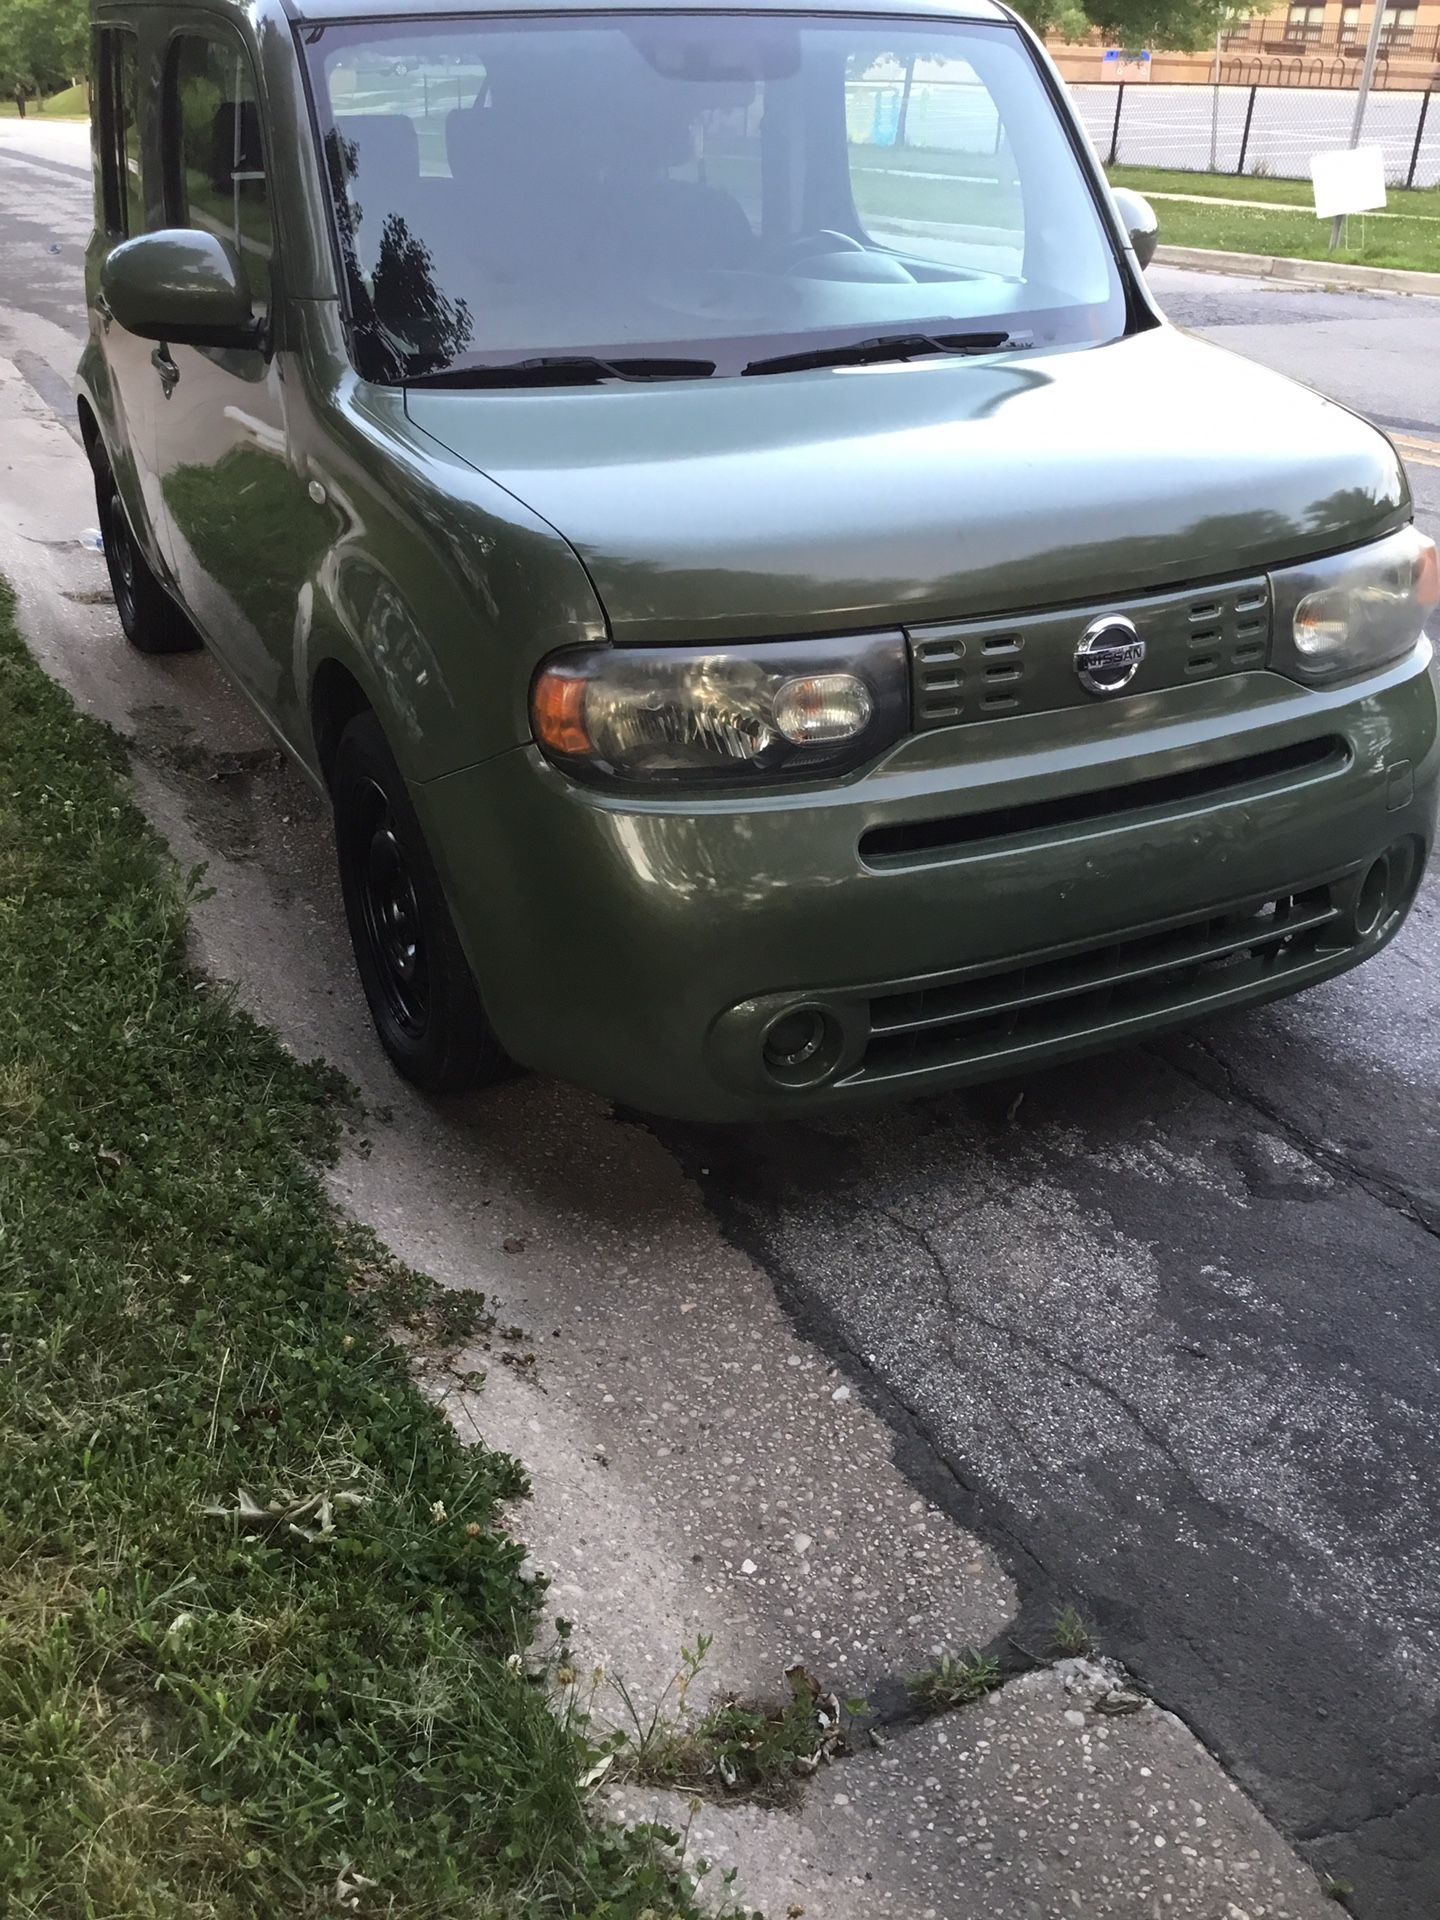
1394, 1199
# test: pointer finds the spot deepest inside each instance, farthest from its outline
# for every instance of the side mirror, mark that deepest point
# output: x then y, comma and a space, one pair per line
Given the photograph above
1137, 216
183, 286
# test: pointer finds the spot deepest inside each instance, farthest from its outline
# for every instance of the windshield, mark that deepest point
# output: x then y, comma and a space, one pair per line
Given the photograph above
662, 195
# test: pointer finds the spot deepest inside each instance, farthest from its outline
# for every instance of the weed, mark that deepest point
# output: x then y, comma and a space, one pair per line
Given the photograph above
955, 1680
444, 1318
760, 1748
1340, 1891
1071, 1636
263, 1634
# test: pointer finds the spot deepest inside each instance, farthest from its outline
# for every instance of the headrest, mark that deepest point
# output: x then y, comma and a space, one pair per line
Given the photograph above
388, 148
471, 141
230, 154
479, 141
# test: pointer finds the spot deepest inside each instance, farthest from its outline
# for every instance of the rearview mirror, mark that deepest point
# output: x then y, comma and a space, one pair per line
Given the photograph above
182, 286
1137, 216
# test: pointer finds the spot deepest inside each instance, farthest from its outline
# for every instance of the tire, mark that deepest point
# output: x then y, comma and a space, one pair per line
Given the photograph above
422, 994
150, 620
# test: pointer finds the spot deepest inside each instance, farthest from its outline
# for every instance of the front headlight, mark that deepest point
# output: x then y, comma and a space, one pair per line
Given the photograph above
788, 710
1354, 611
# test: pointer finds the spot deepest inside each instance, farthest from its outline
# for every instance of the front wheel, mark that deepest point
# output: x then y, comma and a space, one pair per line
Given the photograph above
422, 995
149, 618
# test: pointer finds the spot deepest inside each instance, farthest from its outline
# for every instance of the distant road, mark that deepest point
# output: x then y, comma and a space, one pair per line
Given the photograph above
66, 141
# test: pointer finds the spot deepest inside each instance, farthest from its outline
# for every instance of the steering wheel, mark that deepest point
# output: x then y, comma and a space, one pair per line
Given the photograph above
809, 246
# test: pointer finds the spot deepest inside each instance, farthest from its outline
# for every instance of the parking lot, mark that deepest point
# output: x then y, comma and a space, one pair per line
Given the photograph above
1166, 125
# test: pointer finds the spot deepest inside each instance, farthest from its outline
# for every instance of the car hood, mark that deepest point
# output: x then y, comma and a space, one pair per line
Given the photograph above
936, 489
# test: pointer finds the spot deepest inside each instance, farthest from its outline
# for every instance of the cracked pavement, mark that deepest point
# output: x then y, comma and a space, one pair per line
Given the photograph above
1164, 1325
1161, 1328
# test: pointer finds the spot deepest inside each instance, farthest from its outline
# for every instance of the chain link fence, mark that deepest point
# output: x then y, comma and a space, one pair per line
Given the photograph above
1232, 129
1256, 129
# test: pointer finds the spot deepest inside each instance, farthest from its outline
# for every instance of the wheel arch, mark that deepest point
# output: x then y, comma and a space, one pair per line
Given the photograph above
336, 697
90, 434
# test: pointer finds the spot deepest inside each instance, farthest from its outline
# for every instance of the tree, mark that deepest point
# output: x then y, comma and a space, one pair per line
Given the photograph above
1181, 24
44, 44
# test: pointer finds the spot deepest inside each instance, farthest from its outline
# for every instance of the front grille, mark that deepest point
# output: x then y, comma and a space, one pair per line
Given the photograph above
983, 1013
967, 670
915, 839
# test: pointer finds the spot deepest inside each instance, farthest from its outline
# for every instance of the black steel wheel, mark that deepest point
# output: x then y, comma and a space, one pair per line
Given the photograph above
120, 558
422, 995
391, 913
151, 621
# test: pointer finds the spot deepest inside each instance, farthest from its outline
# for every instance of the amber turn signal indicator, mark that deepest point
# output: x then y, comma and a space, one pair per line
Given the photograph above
1427, 585
557, 708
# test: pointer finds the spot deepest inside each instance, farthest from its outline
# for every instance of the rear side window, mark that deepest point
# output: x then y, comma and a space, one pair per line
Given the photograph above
117, 92
214, 154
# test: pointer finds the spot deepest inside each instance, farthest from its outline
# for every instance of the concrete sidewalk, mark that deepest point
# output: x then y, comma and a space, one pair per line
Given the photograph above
1272, 206
62, 142
698, 1467
1034, 1805
1314, 273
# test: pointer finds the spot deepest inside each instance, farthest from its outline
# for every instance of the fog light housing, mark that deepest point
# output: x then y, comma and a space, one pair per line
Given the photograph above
802, 1046
1372, 902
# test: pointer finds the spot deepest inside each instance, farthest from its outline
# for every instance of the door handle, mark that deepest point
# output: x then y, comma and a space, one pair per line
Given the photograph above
166, 368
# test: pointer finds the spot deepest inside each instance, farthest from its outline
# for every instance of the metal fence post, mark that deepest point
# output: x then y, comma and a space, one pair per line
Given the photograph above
1245, 136
1115, 130
1419, 136
902, 123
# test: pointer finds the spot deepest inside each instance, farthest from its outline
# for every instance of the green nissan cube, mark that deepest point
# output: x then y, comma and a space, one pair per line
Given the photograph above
779, 616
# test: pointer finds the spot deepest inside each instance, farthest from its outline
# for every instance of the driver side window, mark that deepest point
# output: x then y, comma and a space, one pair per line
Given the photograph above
214, 152
117, 96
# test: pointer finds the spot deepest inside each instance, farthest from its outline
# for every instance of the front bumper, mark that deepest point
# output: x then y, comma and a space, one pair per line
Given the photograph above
987, 899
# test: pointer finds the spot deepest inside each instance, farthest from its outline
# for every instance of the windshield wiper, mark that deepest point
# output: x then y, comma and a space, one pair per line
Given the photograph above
564, 370
889, 346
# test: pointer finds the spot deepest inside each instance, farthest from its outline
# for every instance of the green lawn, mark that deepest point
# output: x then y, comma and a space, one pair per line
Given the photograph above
72, 104
1412, 239
261, 1626
1423, 201
1374, 243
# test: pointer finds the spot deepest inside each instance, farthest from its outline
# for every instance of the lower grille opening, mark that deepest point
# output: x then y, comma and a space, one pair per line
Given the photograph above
1049, 1000
905, 840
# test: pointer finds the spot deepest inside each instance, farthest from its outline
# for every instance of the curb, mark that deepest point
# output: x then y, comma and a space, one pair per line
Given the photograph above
1315, 273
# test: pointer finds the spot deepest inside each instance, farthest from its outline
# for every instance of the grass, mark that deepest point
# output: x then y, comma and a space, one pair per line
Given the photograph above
753, 1747
263, 1637
1413, 244
1071, 1637
955, 1680
1287, 226
1281, 193
72, 104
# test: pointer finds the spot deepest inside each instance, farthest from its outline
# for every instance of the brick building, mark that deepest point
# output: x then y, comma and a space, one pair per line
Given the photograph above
1299, 43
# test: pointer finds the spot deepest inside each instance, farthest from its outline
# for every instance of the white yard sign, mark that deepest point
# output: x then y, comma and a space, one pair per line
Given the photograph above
1350, 180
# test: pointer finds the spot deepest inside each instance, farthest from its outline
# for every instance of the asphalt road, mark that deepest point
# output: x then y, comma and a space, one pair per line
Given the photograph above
1163, 1327
1166, 1325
